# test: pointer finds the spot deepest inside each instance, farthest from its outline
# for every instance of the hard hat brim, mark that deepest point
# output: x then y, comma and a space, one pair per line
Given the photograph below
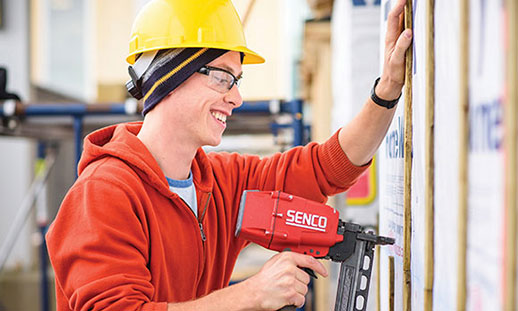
250, 58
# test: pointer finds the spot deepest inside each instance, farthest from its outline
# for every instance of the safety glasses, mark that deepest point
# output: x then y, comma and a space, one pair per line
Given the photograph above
220, 80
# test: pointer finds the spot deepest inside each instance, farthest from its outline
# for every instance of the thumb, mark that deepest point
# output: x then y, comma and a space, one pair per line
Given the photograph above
402, 44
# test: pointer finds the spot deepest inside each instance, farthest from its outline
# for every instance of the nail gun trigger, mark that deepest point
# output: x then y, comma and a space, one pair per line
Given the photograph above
307, 270
310, 272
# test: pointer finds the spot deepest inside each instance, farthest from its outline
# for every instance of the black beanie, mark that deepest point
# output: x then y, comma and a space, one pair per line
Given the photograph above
170, 68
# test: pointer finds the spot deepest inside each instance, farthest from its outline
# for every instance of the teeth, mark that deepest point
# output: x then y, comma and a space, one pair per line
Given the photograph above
220, 116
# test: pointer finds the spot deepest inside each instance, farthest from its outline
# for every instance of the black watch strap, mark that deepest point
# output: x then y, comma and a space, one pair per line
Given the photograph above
389, 104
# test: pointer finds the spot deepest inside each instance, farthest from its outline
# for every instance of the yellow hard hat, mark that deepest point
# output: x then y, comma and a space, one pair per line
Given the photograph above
165, 24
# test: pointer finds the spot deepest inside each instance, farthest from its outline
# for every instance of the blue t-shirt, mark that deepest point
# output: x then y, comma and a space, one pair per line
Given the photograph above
185, 189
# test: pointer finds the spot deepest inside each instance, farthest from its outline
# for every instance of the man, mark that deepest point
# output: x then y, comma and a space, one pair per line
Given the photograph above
150, 222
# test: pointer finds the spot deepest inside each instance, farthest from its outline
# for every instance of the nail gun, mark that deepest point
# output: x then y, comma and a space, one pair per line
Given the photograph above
280, 221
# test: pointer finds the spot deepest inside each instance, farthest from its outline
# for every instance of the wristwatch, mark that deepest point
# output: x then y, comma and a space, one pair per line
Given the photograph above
389, 104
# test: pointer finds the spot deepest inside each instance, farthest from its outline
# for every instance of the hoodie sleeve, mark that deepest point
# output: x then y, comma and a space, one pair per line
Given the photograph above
314, 171
99, 250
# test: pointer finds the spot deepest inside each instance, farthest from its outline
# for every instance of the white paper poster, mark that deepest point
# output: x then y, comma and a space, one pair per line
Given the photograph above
486, 157
446, 154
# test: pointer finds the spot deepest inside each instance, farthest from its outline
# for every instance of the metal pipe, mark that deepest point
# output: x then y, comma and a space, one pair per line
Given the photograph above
26, 207
72, 109
78, 138
298, 123
43, 220
63, 109
44, 278
79, 110
267, 106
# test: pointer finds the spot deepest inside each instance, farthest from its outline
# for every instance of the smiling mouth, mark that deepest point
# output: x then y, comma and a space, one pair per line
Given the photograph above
219, 116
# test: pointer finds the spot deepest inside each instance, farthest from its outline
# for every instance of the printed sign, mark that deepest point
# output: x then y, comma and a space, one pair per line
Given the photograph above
486, 157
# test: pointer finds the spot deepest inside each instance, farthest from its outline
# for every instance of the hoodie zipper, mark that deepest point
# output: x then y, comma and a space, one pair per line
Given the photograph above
203, 236
200, 219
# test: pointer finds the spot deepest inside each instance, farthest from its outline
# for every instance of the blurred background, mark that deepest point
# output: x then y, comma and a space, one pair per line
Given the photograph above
63, 75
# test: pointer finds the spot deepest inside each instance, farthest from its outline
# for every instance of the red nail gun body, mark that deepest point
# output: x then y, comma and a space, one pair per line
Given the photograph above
280, 221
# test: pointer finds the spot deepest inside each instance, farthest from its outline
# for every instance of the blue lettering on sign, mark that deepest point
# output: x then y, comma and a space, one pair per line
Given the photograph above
486, 126
394, 142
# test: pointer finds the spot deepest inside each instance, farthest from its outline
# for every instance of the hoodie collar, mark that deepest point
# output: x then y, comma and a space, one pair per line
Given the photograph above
121, 141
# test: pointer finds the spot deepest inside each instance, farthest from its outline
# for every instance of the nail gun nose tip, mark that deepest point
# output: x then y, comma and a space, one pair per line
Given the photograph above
389, 241
383, 240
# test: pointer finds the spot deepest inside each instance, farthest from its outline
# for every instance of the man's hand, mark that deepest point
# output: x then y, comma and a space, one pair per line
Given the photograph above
362, 136
396, 44
281, 282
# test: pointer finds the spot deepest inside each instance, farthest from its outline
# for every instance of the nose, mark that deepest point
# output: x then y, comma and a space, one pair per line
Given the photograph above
233, 97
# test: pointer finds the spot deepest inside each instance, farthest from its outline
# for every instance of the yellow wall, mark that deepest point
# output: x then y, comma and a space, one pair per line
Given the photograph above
113, 26
264, 34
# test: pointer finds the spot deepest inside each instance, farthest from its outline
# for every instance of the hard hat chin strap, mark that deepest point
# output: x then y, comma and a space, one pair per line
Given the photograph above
134, 86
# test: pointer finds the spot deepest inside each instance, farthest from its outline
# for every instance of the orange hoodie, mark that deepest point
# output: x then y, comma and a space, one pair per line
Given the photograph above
123, 241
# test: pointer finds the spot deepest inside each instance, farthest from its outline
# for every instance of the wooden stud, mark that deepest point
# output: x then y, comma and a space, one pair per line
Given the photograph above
407, 179
511, 135
463, 155
430, 160
391, 305
378, 277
